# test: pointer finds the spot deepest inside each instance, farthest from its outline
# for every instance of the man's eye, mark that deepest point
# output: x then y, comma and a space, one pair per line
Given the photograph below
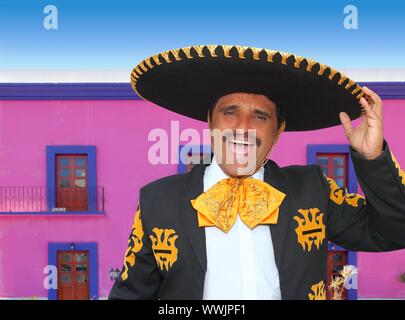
260, 117
229, 113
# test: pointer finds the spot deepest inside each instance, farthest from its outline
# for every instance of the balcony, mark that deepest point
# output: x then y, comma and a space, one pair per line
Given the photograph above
38, 199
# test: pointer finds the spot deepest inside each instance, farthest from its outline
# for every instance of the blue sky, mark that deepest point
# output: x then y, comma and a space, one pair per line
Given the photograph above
98, 34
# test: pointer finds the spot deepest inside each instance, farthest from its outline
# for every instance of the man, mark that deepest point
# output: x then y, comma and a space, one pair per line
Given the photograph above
243, 229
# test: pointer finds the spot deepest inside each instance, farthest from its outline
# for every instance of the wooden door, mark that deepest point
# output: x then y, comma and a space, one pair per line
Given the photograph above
336, 260
71, 182
73, 275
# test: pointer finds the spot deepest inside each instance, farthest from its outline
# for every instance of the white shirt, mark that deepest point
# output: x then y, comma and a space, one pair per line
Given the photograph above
240, 263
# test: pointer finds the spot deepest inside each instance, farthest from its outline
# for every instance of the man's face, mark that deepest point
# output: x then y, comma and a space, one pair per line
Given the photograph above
243, 127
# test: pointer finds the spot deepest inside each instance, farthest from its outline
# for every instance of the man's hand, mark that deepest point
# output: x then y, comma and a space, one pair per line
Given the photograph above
368, 138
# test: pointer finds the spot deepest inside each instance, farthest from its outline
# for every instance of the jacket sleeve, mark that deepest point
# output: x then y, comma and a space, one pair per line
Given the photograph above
139, 278
373, 223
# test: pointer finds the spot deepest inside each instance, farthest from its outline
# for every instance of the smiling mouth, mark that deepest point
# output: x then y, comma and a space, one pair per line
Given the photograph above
240, 147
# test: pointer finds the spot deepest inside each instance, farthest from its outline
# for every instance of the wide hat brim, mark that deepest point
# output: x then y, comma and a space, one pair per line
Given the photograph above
189, 80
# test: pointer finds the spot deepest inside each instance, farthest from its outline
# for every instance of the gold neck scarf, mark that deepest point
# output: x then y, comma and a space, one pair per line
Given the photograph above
255, 201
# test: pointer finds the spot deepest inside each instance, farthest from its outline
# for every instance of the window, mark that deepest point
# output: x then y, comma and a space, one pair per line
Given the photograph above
73, 275
335, 162
71, 180
77, 266
335, 166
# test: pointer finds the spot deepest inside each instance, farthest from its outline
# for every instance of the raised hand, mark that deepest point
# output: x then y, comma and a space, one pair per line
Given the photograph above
368, 137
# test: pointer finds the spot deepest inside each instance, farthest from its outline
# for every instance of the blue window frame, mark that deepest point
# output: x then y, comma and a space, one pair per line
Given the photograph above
186, 150
91, 247
90, 151
312, 151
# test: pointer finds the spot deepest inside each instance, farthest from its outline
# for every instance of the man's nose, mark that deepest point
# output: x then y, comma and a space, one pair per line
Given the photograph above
244, 123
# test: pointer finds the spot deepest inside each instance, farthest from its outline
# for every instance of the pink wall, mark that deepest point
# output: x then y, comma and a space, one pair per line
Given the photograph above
119, 129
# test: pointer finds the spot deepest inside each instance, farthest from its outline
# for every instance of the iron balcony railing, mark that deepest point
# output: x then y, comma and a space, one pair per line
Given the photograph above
44, 199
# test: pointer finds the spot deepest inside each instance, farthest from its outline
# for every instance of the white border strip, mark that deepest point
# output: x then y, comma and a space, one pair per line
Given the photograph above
122, 75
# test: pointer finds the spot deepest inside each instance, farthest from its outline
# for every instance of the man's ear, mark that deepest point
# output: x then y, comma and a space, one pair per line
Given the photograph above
208, 119
279, 131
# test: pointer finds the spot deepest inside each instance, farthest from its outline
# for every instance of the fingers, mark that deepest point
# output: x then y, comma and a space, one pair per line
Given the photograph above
370, 113
374, 101
375, 97
366, 105
347, 124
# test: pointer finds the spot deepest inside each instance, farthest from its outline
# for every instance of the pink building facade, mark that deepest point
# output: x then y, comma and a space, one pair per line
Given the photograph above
110, 127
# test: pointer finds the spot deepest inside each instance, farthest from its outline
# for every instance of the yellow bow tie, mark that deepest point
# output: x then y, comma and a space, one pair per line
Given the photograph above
255, 201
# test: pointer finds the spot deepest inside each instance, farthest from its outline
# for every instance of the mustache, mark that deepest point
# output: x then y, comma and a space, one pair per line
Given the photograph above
238, 136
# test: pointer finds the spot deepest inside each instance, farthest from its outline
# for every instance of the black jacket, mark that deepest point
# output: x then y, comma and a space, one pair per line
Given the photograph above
376, 223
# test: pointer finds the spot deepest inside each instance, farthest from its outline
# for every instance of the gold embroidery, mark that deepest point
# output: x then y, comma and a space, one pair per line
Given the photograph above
343, 78
322, 69
360, 95
318, 291
163, 246
256, 53
352, 199
310, 229
284, 57
332, 73
270, 54
199, 50
338, 194
298, 61
349, 84
138, 71
212, 49
186, 51
357, 89
227, 50
142, 66
156, 59
241, 51
176, 55
135, 244
165, 55
147, 61
311, 63
401, 172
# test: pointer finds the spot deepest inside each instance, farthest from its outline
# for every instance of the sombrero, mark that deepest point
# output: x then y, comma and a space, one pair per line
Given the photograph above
189, 80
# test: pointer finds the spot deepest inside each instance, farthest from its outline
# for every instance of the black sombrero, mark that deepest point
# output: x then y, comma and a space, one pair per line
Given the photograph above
189, 80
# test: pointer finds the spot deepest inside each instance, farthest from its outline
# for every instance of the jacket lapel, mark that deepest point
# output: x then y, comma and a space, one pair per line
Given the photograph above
195, 234
274, 177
